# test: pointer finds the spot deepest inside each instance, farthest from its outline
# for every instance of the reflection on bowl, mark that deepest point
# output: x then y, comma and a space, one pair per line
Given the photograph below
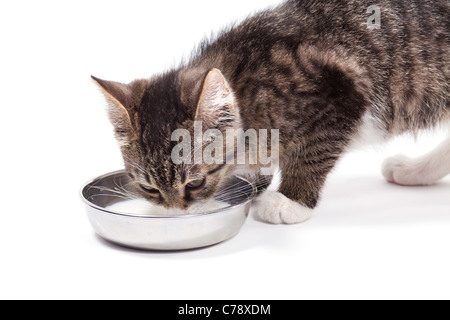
169, 231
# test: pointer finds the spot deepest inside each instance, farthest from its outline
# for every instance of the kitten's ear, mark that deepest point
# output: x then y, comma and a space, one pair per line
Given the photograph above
122, 100
217, 106
117, 93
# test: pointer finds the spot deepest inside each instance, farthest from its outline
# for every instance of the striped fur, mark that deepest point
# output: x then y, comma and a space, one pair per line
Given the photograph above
312, 69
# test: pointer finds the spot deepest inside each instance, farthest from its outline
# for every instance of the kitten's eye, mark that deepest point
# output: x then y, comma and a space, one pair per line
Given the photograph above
196, 184
149, 189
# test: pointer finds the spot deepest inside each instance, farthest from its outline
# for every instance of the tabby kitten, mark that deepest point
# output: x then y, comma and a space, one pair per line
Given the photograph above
316, 71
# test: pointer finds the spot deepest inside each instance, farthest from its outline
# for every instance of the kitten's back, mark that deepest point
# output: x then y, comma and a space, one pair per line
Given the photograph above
405, 63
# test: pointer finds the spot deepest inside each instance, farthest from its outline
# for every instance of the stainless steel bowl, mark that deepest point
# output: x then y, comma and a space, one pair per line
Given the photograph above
164, 233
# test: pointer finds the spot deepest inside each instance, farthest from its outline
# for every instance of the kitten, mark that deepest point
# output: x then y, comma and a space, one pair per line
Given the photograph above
316, 71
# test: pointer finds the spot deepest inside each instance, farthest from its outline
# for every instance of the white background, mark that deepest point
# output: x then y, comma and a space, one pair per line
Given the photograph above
368, 239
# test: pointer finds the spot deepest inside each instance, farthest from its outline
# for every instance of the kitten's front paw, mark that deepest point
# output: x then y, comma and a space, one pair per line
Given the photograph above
273, 207
405, 171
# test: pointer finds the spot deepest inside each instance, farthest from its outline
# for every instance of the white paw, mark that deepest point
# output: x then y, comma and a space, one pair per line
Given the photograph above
406, 171
275, 208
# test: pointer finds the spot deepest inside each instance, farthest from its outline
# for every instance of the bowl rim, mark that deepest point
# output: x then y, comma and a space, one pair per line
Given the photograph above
203, 214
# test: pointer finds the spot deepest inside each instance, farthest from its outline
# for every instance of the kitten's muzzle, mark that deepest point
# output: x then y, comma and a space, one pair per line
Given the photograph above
173, 200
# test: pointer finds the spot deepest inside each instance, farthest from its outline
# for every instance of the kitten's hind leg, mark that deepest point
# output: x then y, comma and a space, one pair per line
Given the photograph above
423, 171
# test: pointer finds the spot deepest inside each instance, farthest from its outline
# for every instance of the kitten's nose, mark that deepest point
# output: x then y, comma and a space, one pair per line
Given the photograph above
173, 200
176, 205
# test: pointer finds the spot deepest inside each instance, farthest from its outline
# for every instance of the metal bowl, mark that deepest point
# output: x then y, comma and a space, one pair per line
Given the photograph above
164, 233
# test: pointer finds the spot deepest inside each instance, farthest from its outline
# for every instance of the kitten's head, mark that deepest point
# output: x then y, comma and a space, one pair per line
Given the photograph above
146, 113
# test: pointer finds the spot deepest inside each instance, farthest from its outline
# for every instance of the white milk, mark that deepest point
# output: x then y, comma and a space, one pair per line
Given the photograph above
141, 207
